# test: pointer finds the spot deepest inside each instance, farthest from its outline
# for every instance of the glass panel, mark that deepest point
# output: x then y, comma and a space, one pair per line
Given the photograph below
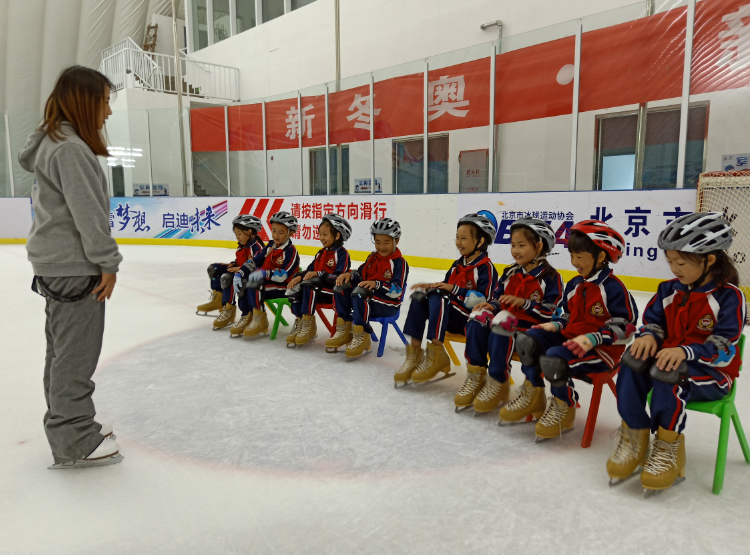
272, 9
318, 178
200, 25
248, 173
166, 165
616, 152
128, 160
4, 162
221, 20
245, 15
408, 170
283, 153
297, 4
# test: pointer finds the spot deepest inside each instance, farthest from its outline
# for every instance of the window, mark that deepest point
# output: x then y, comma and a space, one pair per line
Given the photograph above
272, 9
200, 24
408, 165
245, 15
339, 156
620, 158
222, 28
297, 4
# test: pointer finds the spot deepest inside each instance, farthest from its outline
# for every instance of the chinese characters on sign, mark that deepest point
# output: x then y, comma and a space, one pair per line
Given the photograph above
735, 41
361, 115
293, 122
200, 222
125, 216
446, 95
350, 211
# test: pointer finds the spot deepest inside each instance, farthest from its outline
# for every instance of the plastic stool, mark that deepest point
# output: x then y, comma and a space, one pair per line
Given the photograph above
456, 338
276, 306
385, 321
319, 311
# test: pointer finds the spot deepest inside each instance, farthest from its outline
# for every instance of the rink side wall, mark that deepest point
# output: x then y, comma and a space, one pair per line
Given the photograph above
428, 223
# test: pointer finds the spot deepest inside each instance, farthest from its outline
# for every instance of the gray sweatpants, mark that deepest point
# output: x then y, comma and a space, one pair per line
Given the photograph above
74, 341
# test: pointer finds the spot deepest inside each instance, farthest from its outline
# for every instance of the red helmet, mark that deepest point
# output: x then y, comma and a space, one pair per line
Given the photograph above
603, 237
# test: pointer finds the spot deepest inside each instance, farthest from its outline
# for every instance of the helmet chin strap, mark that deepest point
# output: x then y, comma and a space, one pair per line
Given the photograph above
706, 271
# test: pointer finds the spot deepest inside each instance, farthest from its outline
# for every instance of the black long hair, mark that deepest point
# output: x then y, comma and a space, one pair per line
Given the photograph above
580, 242
253, 234
533, 237
722, 271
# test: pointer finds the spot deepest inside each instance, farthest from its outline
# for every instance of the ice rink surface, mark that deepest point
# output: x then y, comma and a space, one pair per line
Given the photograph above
236, 446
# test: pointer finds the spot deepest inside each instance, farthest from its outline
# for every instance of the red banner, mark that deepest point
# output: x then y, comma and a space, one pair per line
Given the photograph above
535, 82
349, 115
281, 124
721, 46
458, 97
313, 120
207, 130
400, 102
245, 127
634, 62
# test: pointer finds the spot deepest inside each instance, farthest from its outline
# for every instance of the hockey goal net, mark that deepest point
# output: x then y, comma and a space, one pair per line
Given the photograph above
729, 193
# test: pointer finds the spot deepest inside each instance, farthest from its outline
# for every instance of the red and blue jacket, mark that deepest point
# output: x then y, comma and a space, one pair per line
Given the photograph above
704, 322
599, 305
280, 263
334, 261
389, 273
247, 251
479, 275
542, 294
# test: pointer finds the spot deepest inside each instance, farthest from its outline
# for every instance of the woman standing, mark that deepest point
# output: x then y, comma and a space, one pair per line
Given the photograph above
75, 260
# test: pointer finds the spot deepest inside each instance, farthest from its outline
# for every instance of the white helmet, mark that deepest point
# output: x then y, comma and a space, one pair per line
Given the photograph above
701, 232
249, 221
386, 226
339, 224
543, 229
285, 218
482, 222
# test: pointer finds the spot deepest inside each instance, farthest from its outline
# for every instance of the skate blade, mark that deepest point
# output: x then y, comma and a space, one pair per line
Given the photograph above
114, 459
506, 424
546, 439
461, 409
364, 353
647, 493
253, 337
224, 328
440, 379
614, 482
205, 314
303, 345
291, 345
332, 350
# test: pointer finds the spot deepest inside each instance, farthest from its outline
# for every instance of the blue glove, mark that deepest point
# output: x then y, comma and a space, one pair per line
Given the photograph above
279, 276
473, 298
725, 356
237, 282
559, 312
257, 276
395, 291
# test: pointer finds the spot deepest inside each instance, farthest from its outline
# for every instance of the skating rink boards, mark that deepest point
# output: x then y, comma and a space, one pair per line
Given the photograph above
249, 447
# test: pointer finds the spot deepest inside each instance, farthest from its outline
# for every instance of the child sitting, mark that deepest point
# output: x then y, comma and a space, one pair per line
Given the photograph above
595, 312
330, 262
447, 304
275, 265
530, 290
686, 350
246, 228
379, 290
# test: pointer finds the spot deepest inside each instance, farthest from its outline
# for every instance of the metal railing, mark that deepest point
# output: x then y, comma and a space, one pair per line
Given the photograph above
128, 66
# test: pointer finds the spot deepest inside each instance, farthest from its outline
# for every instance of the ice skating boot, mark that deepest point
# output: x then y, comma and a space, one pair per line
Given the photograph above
341, 338
557, 419
666, 465
226, 318
360, 344
238, 329
258, 325
309, 330
434, 360
630, 453
210, 306
491, 395
108, 452
413, 356
475, 378
529, 400
291, 339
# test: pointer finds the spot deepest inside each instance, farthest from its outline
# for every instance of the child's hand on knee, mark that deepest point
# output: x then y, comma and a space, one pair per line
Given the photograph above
294, 282
310, 275
670, 359
509, 301
579, 346
368, 285
343, 278
484, 306
547, 326
644, 347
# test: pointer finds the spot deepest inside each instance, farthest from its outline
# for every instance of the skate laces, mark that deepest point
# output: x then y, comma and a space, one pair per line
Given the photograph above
244, 321
426, 361
357, 340
491, 388
554, 414
663, 457
627, 448
523, 398
224, 314
471, 383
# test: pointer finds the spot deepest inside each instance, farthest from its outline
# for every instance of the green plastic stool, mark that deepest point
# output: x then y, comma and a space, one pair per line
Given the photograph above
276, 306
727, 411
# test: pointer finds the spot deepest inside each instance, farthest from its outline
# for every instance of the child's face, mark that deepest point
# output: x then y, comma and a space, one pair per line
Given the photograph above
327, 235
242, 236
523, 251
465, 240
684, 269
385, 245
279, 232
584, 262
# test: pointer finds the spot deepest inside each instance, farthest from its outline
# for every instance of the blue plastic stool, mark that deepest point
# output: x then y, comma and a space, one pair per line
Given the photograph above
385, 321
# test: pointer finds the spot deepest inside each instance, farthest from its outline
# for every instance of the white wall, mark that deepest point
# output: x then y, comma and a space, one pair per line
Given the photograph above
164, 35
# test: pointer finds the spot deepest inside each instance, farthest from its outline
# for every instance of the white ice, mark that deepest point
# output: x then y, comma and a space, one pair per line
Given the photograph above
249, 447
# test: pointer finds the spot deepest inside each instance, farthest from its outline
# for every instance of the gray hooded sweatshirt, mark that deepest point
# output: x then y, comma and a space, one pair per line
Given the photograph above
70, 235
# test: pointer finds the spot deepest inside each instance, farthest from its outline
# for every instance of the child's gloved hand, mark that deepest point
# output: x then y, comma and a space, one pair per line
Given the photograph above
579, 346
395, 291
256, 276
278, 276
237, 283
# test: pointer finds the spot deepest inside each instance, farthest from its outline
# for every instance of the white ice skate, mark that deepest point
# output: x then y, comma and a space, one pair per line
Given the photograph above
107, 453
